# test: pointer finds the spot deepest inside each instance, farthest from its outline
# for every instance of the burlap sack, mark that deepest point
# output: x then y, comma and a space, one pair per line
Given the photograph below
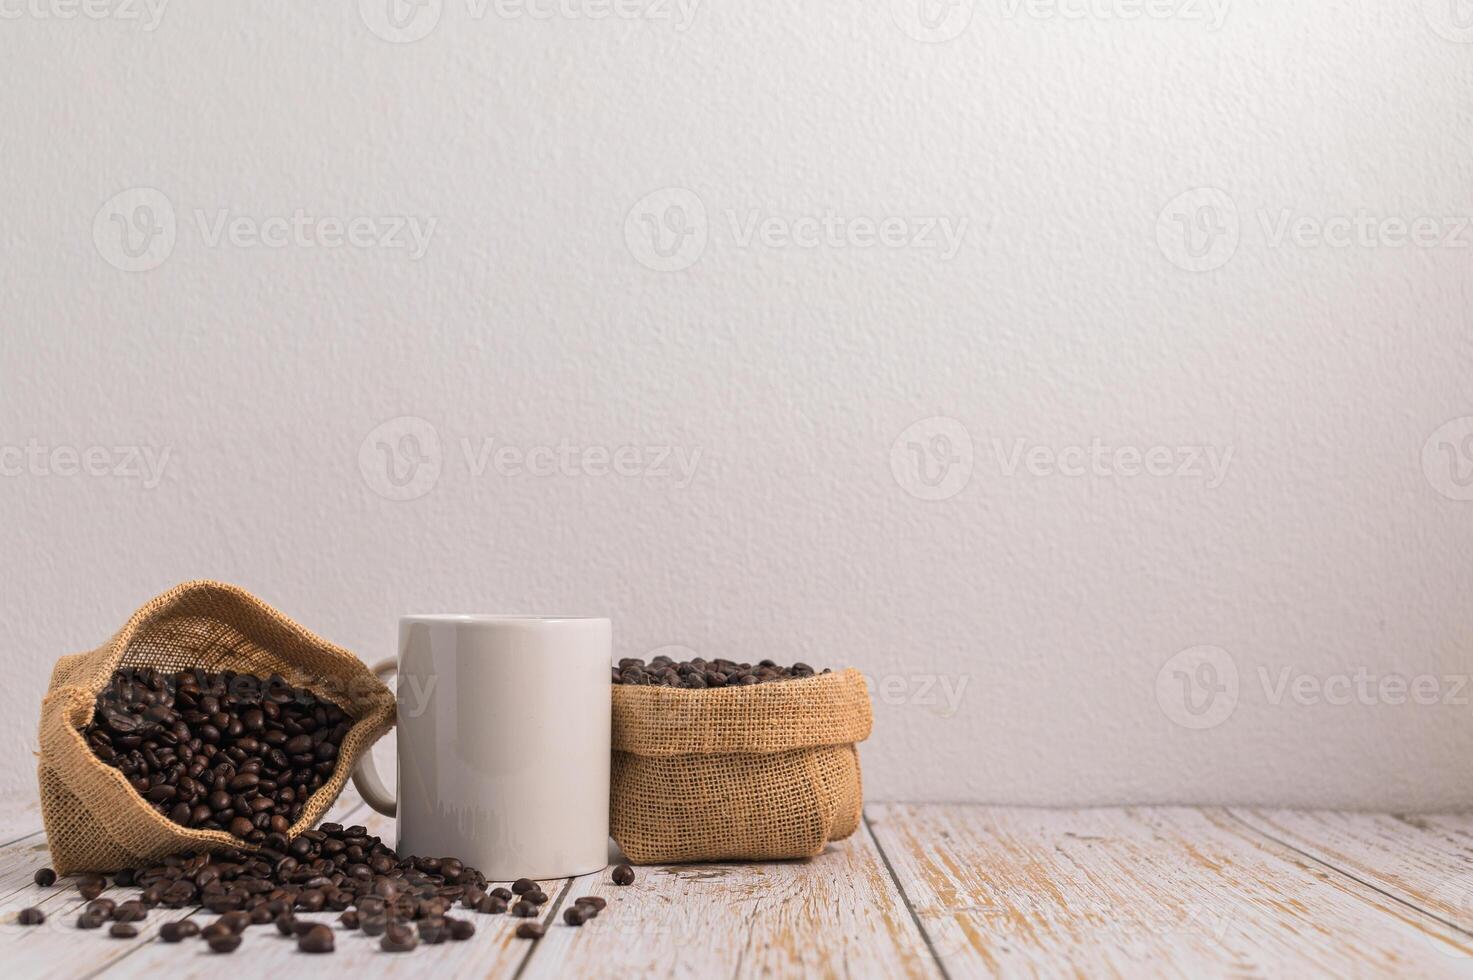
95, 820
763, 772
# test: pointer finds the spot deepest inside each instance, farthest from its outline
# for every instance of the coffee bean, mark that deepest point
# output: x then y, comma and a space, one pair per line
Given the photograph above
122, 930
318, 939
623, 875
491, 905
89, 886
130, 912
349, 919
45, 877
524, 909
217, 751
124, 878
523, 885
592, 900
536, 896
530, 930
574, 916
373, 925
286, 924
461, 929
505, 894
31, 917
102, 906
398, 938
90, 920
235, 921
698, 673
224, 942
432, 931
173, 932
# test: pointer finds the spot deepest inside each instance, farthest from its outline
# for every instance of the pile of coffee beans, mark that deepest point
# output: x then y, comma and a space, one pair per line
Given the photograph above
403, 902
698, 672
224, 751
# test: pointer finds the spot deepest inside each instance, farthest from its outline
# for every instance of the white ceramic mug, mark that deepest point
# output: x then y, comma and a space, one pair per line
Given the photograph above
503, 735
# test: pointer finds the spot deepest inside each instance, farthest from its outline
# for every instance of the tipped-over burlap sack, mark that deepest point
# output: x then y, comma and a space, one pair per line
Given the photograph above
761, 772
95, 820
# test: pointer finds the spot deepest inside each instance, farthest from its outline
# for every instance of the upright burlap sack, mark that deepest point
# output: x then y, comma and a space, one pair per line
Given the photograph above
763, 772
95, 820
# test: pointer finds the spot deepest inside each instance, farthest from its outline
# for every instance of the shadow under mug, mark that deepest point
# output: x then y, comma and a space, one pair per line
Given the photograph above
503, 743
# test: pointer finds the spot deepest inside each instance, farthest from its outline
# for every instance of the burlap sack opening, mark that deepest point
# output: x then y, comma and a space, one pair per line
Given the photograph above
764, 772
95, 820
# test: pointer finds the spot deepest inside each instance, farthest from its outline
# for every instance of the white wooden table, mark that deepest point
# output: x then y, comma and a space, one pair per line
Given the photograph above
920, 890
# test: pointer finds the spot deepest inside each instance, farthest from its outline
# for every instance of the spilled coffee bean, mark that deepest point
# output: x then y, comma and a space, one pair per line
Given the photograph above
403, 902
45, 877
31, 917
575, 916
623, 875
222, 751
317, 939
698, 672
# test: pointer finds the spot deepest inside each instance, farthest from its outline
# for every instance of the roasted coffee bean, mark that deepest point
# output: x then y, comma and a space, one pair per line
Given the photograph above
235, 921
523, 885
31, 917
699, 673
173, 932
398, 938
102, 906
432, 932
491, 905
318, 939
286, 924
45, 877
122, 930
125, 878
461, 929
623, 875
130, 912
524, 909
505, 894
529, 930
90, 920
89, 886
224, 942
536, 896
575, 916
217, 751
592, 900
372, 925
349, 919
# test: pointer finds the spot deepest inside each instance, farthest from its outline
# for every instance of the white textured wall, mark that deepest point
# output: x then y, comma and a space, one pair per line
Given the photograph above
1001, 190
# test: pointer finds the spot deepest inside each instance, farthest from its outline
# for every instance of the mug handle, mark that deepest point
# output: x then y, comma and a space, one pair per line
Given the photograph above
365, 773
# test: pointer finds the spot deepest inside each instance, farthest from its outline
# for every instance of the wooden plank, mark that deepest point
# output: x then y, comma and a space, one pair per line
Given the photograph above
836, 915
266, 955
1424, 860
1129, 892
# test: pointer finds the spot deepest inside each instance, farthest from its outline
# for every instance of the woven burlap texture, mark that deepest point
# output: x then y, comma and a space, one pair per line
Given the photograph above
763, 772
95, 820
